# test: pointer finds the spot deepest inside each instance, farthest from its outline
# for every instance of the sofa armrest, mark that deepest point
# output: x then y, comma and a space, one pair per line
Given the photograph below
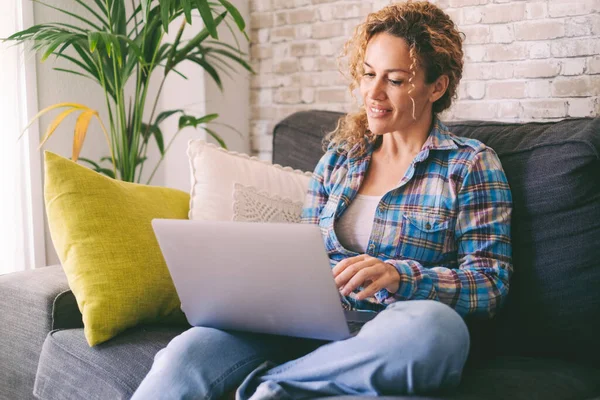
32, 303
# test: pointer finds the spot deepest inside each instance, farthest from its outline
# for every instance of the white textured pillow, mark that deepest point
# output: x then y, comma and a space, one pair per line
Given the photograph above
229, 186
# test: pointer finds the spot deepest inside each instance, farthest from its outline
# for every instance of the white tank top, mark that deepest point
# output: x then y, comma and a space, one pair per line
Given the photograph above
354, 228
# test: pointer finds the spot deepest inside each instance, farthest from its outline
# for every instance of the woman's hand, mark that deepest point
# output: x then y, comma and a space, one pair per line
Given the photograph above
353, 272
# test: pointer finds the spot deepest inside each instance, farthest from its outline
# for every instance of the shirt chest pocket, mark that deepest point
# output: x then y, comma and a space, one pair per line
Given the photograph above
424, 238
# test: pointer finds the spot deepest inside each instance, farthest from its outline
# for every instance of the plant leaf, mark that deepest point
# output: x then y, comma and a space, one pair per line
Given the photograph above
187, 10
82, 19
81, 128
209, 69
207, 17
235, 14
92, 163
54, 124
216, 137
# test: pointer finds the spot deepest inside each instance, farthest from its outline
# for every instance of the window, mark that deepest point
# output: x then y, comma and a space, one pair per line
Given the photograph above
21, 217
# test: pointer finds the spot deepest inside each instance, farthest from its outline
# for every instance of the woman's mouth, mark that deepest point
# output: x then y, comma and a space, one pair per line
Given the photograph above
377, 112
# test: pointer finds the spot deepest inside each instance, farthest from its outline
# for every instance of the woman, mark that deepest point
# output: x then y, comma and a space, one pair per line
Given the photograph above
408, 212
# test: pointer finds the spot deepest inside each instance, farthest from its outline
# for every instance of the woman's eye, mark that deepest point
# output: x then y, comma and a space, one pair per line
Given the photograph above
369, 74
395, 83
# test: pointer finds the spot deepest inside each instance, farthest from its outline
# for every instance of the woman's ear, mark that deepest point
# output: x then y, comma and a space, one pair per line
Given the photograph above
439, 88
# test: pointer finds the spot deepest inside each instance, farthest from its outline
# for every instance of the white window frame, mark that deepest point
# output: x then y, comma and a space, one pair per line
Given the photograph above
32, 214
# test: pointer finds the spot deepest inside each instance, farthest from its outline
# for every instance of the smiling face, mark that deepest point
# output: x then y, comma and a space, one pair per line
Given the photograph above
385, 89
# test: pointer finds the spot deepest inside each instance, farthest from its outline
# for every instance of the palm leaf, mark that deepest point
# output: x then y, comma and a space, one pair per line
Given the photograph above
235, 14
216, 137
87, 22
94, 13
81, 128
207, 17
209, 69
55, 123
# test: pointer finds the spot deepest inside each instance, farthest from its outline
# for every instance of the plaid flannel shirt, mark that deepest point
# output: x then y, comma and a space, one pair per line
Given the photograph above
445, 227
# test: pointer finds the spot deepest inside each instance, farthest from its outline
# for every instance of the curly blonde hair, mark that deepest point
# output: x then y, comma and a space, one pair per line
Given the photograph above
434, 42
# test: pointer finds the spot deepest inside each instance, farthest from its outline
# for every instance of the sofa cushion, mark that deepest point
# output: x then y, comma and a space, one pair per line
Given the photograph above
553, 170
70, 369
101, 230
231, 186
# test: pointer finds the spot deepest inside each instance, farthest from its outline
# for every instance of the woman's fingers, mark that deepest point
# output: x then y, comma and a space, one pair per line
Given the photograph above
345, 263
350, 270
367, 272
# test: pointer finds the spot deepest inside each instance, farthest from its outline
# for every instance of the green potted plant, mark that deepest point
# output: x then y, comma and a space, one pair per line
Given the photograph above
115, 44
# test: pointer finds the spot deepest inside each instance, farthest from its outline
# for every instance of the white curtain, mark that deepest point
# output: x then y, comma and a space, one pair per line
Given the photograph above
20, 245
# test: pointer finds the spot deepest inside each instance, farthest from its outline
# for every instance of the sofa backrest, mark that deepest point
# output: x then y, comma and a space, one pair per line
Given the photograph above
553, 308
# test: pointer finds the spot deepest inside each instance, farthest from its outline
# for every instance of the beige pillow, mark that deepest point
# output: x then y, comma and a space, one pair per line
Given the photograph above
229, 186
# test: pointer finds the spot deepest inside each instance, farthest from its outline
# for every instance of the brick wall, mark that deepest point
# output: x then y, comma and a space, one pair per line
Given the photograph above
524, 60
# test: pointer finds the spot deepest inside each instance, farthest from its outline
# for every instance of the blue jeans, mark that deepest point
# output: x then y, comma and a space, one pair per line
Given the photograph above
411, 347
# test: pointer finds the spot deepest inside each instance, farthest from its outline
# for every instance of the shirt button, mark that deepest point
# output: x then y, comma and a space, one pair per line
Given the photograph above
428, 226
371, 247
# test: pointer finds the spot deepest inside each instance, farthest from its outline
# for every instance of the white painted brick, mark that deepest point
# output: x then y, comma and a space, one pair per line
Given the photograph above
304, 31
261, 128
331, 95
593, 65
562, 8
301, 16
476, 34
465, 3
287, 96
285, 66
579, 86
280, 18
474, 71
542, 109
279, 4
581, 26
280, 50
474, 53
326, 64
308, 63
475, 90
308, 95
572, 66
509, 110
259, 51
302, 49
323, 30
326, 12
505, 90
331, 47
587, 107
498, 13
477, 109
539, 88
536, 10
261, 20
501, 52
539, 50
539, 30
536, 69
502, 33
456, 15
471, 15
356, 9
260, 5
284, 33
377, 5
573, 48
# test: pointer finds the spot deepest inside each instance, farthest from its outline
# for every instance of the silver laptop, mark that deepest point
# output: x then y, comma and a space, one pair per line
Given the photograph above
260, 277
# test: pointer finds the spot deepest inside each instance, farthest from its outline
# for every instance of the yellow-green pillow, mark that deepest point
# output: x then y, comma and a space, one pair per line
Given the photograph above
101, 230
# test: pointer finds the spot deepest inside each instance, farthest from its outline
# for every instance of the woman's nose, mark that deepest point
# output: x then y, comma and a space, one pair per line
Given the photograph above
378, 90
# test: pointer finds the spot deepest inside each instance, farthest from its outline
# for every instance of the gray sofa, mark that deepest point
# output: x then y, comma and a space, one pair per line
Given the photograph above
542, 345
